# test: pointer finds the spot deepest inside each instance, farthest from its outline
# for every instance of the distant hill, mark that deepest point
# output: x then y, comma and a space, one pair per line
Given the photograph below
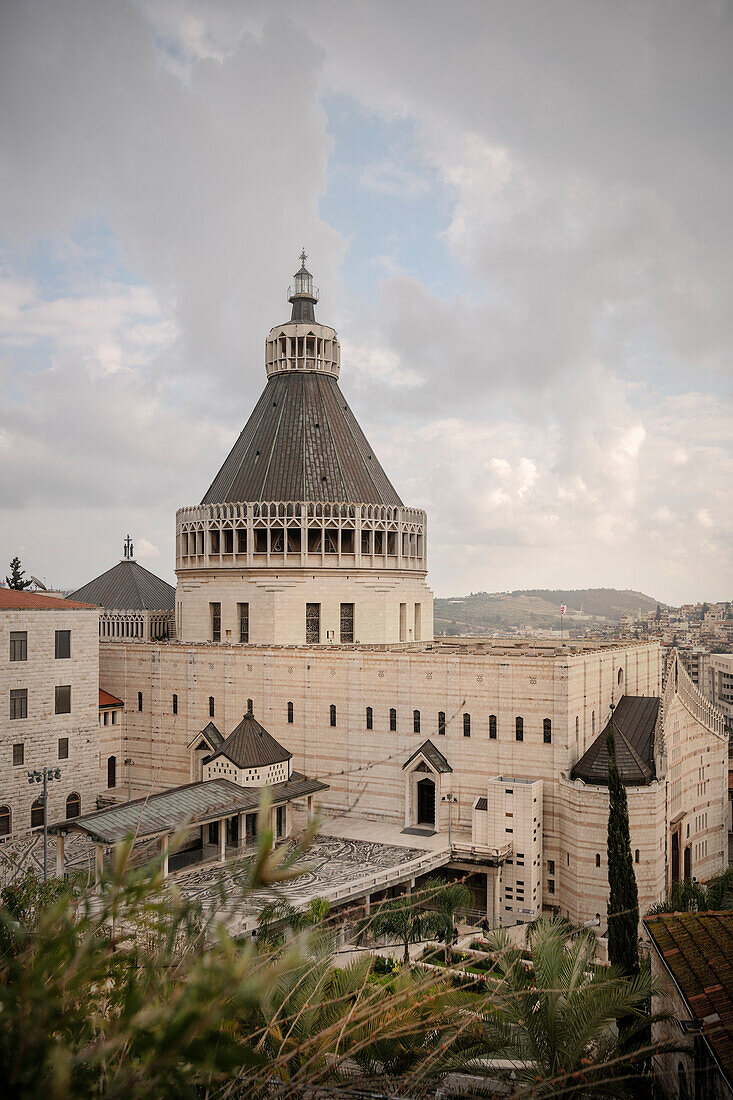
487, 611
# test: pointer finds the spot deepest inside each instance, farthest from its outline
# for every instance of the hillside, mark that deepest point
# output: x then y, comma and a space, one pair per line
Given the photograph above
488, 611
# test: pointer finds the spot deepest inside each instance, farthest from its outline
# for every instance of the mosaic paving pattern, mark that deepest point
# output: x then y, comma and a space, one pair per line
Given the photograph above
16, 856
329, 864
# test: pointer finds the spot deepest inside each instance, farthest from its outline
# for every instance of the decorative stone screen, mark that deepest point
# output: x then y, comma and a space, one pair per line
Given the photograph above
347, 622
312, 623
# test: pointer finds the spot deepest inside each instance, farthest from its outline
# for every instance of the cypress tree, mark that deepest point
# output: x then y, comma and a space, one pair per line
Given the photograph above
623, 903
16, 579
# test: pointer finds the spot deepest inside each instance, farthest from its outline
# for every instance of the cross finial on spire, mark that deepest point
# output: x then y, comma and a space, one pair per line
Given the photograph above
128, 548
303, 256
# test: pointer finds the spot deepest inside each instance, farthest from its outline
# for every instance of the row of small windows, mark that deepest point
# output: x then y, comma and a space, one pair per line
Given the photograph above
417, 722
19, 645
19, 751
73, 809
19, 701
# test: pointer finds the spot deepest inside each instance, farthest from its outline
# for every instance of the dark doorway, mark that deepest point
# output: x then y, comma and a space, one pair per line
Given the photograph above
251, 827
675, 857
111, 771
214, 832
280, 821
426, 802
688, 862
233, 832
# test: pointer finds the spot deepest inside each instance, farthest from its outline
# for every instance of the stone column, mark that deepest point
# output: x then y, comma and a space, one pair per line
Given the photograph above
60, 839
222, 839
368, 905
98, 862
164, 841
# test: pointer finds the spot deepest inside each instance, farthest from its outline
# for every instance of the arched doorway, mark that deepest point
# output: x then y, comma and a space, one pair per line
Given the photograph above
426, 802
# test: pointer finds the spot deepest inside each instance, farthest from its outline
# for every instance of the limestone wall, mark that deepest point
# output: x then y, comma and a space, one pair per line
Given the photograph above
40, 732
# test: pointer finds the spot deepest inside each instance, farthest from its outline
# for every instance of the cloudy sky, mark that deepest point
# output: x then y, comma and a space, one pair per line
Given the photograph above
519, 216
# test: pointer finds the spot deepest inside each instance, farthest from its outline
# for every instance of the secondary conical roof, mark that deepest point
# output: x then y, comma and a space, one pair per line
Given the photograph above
127, 586
249, 745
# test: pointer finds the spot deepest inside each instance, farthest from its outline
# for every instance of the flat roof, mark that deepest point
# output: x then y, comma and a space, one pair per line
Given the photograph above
192, 804
13, 600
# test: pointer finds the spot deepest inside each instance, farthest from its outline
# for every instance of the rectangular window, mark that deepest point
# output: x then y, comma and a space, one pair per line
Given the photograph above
519, 729
492, 727
347, 622
312, 623
551, 866
403, 622
63, 645
63, 699
550, 886
63, 748
241, 540
18, 703
18, 645
215, 609
18, 755
243, 622
547, 731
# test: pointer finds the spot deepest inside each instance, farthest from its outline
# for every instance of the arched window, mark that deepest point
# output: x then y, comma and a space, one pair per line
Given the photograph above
211, 706
636, 855
416, 721
369, 718
598, 859
620, 677
139, 700
37, 814
547, 731
73, 805
393, 720
333, 714
290, 714
492, 727
111, 771
577, 725
466, 725
441, 721
519, 728
593, 723
175, 704
6, 821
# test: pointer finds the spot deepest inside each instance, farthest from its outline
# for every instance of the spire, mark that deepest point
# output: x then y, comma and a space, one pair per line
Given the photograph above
303, 294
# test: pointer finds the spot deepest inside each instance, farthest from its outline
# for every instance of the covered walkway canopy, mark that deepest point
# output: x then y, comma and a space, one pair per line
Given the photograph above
214, 802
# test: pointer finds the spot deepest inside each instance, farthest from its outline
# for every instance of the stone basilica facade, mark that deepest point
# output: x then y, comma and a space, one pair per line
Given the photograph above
302, 598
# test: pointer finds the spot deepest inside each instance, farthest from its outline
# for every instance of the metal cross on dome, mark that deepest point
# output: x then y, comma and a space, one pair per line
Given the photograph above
128, 548
303, 256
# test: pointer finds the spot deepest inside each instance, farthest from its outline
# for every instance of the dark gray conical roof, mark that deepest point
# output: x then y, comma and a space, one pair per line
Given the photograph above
633, 727
127, 586
302, 442
249, 745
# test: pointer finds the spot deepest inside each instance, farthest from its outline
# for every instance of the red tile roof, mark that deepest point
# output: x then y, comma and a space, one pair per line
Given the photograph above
697, 950
12, 599
107, 700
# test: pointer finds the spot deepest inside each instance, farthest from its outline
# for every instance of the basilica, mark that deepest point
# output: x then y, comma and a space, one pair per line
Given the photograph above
302, 602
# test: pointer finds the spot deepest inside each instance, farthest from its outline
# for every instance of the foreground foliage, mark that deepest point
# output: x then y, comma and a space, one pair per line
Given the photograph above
554, 1016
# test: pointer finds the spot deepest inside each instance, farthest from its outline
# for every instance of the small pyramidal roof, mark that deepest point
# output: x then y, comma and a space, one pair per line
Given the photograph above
127, 586
249, 745
633, 723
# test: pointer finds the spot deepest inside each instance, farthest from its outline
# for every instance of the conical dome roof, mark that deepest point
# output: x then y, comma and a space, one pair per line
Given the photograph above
302, 442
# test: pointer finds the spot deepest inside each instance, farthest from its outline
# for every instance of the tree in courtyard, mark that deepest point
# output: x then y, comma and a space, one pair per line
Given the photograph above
623, 903
401, 920
446, 901
689, 896
554, 1017
17, 580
